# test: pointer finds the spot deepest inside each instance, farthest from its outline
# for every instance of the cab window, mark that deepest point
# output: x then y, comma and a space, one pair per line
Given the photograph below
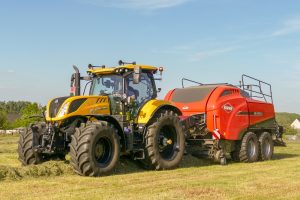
143, 91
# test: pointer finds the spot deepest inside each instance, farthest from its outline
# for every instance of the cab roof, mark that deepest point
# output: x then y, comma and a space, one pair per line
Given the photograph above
114, 70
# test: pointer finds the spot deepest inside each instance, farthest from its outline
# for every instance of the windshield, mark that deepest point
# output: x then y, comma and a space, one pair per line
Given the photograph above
106, 85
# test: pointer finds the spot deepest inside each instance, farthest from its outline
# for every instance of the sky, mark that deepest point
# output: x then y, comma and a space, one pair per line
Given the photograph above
204, 40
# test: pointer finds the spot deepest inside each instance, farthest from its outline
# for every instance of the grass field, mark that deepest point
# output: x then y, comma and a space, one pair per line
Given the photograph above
195, 179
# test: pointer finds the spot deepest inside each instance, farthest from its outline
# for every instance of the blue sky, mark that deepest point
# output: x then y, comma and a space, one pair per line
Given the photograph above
204, 40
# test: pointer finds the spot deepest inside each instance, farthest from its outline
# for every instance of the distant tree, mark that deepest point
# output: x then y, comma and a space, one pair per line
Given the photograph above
26, 113
285, 120
3, 120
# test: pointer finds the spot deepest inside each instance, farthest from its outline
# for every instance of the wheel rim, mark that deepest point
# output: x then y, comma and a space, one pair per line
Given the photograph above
168, 142
103, 152
266, 147
251, 148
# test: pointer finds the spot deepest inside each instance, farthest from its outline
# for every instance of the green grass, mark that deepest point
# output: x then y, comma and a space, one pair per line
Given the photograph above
195, 179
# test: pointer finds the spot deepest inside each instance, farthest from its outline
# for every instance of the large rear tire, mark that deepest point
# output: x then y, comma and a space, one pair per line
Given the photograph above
95, 149
27, 155
165, 142
266, 146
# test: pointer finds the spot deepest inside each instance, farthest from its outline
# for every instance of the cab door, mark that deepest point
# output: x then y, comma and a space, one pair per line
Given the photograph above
141, 92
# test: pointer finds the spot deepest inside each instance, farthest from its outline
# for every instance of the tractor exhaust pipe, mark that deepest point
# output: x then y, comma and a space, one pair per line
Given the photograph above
75, 82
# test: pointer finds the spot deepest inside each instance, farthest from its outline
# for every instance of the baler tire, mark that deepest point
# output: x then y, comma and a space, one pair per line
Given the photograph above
27, 155
249, 154
266, 146
167, 155
95, 149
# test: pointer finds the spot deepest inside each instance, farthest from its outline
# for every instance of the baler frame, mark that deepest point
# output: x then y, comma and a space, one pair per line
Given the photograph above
245, 87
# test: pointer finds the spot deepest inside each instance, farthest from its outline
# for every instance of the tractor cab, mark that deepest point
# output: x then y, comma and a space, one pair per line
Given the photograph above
123, 87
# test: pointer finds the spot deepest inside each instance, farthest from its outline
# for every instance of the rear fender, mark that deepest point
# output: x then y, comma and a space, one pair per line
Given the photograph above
148, 111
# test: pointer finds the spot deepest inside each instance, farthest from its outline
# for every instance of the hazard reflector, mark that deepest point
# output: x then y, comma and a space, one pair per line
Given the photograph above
216, 134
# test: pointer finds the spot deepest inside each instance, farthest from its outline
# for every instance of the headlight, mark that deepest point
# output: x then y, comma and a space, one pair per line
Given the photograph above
63, 110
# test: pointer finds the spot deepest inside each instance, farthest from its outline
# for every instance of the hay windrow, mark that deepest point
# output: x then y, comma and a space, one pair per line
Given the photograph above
52, 168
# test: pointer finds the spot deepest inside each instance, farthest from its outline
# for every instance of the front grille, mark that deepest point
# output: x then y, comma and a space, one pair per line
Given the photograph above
55, 106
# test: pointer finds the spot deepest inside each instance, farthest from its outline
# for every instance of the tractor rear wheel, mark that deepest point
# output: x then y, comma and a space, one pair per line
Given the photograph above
249, 149
27, 155
95, 149
165, 142
266, 146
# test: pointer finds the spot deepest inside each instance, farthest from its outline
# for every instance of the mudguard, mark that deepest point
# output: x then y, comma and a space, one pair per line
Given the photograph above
151, 107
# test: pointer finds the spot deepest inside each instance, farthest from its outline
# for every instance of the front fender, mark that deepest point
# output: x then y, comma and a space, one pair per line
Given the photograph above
147, 112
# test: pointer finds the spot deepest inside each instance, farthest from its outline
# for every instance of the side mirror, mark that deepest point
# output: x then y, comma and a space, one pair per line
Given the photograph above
137, 74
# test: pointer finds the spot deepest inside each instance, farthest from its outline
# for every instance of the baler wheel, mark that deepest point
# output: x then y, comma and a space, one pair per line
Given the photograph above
249, 149
165, 142
266, 146
95, 149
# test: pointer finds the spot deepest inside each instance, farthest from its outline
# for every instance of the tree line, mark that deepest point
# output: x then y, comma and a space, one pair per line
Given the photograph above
286, 119
13, 106
22, 110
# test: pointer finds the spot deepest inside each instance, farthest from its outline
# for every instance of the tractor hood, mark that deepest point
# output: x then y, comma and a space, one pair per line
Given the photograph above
65, 107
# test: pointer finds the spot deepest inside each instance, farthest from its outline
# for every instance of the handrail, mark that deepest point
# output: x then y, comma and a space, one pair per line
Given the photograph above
245, 87
185, 79
248, 87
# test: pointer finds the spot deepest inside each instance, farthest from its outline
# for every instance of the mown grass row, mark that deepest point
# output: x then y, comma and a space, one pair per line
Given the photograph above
52, 168
11, 169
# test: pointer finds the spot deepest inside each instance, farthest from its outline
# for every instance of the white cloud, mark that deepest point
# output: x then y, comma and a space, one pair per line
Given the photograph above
137, 4
10, 71
289, 26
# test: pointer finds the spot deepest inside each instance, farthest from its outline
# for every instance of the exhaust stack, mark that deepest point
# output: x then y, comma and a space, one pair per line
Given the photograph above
75, 82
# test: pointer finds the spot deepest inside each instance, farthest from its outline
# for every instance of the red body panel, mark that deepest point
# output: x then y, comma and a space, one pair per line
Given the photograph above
226, 110
259, 111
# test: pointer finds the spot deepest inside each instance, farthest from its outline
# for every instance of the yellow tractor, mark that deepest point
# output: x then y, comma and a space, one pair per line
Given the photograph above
120, 116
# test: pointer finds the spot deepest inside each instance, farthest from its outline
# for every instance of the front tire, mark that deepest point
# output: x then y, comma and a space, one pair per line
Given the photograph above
95, 149
27, 155
266, 146
165, 142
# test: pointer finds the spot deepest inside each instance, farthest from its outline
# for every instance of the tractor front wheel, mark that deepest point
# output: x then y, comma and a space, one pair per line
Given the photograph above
165, 142
95, 149
27, 155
